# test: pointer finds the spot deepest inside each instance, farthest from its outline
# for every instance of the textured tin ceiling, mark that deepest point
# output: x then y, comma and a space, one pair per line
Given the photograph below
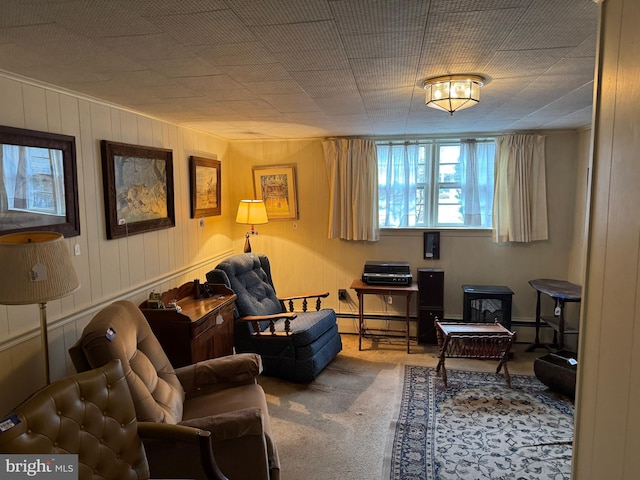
312, 68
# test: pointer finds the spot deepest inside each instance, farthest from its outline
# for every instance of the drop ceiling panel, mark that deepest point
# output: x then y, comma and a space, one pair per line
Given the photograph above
238, 54
145, 47
390, 98
277, 12
550, 35
152, 8
212, 83
374, 17
96, 19
50, 44
395, 44
256, 73
383, 82
277, 87
316, 60
472, 26
327, 83
291, 103
204, 28
299, 37
523, 63
372, 67
182, 67
440, 6
246, 68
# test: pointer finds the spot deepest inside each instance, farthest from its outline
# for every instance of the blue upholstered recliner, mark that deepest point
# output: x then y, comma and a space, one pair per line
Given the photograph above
293, 345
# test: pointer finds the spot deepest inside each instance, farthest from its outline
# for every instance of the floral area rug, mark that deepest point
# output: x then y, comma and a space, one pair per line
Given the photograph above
479, 428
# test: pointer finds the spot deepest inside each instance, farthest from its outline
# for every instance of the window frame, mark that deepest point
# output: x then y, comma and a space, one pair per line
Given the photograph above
432, 183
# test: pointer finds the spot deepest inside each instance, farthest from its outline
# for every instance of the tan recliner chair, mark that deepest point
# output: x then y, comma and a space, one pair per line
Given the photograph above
91, 414
220, 395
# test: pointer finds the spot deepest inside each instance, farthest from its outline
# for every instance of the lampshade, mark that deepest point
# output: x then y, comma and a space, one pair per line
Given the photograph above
454, 92
252, 212
36, 268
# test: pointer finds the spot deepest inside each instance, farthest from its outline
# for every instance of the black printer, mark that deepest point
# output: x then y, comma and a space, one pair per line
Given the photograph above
387, 273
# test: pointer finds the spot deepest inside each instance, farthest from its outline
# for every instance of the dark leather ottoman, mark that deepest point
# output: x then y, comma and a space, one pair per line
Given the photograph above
555, 371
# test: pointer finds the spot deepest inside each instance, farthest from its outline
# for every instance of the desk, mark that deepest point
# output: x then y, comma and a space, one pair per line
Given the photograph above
363, 289
561, 291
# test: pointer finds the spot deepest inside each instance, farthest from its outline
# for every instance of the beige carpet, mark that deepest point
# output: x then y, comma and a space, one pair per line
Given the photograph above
338, 426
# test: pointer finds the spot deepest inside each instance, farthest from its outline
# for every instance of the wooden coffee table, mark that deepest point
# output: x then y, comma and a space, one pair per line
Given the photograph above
481, 341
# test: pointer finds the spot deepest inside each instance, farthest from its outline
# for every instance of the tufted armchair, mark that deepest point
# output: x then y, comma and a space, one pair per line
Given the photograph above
294, 345
91, 414
220, 395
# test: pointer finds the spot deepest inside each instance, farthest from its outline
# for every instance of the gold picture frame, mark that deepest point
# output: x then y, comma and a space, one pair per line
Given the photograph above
276, 185
205, 179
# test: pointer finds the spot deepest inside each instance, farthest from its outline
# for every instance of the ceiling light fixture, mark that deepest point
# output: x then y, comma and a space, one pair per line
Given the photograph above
453, 92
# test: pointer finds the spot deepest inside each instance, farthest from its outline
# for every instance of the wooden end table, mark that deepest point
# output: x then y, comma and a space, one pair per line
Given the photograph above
479, 341
561, 292
363, 289
202, 329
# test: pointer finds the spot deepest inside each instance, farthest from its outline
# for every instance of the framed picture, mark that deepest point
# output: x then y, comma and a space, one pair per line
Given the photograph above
138, 188
276, 185
432, 245
38, 182
204, 176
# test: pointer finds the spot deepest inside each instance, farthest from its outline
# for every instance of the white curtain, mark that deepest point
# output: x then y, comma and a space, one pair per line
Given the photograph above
520, 199
399, 173
477, 165
353, 180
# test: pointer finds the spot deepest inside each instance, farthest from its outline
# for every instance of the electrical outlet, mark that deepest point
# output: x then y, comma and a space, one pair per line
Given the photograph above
342, 294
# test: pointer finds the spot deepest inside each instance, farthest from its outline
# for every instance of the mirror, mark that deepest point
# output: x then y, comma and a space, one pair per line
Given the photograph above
38, 182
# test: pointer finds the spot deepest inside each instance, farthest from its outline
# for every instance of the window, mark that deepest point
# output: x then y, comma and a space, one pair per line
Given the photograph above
436, 183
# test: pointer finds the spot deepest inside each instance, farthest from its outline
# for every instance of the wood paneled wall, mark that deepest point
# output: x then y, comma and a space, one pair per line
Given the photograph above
608, 398
108, 269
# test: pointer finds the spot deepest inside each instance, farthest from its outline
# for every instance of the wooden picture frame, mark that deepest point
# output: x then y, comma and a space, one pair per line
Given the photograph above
138, 188
205, 182
38, 182
276, 185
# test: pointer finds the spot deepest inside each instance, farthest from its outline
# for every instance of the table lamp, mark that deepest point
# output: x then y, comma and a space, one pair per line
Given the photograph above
36, 268
251, 212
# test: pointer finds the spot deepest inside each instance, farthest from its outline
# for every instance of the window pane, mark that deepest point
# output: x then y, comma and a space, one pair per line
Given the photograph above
449, 214
420, 205
449, 173
449, 153
449, 195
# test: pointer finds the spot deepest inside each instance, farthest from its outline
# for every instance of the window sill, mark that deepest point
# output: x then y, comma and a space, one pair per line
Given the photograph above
444, 232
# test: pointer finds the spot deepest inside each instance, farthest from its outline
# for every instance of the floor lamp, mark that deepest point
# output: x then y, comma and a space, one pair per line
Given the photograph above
36, 268
251, 212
